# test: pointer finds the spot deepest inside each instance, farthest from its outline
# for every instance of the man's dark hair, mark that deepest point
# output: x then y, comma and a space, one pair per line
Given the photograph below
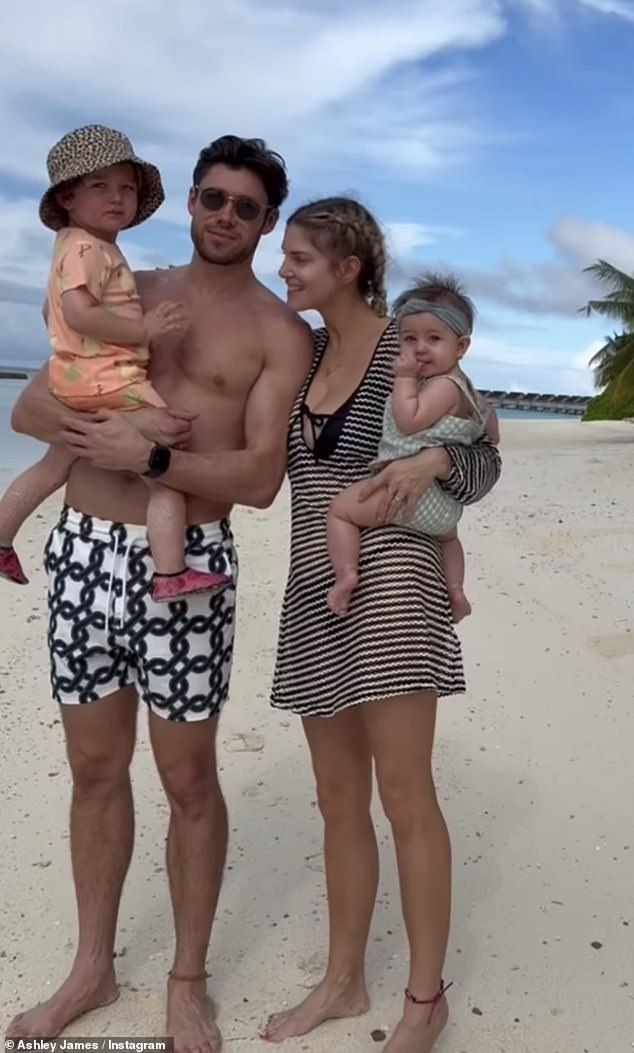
253, 154
443, 289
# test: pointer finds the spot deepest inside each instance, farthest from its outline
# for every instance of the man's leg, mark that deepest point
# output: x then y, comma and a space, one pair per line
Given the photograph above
185, 755
100, 740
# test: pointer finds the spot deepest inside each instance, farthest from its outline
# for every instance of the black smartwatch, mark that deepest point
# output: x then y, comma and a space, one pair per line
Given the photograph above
158, 461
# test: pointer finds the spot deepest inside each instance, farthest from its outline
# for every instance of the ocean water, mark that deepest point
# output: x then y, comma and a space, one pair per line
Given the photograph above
16, 451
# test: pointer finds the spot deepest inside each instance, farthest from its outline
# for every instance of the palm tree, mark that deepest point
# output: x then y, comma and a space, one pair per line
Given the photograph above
613, 364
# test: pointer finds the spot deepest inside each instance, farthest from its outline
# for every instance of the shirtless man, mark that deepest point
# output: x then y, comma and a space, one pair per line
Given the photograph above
237, 371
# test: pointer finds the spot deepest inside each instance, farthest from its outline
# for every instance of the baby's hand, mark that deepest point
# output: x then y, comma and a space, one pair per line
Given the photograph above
167, 318
406, 364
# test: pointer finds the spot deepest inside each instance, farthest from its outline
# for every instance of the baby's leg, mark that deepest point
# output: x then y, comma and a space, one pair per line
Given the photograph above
25, 494
453, 562
346, 516
166, 520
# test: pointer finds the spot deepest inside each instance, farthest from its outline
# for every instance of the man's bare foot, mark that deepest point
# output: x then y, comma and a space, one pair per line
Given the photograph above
460, 606
191, 1017
326, 1002
341, 593
415, 1032
78, 994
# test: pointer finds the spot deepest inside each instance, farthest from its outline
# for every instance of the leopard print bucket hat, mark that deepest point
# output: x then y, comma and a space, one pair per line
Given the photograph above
86, 150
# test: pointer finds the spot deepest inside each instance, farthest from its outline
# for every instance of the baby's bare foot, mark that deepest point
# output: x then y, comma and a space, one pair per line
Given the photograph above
460, 606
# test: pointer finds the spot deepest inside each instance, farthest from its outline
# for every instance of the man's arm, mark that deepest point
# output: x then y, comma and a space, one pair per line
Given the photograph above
41, 415
252, 476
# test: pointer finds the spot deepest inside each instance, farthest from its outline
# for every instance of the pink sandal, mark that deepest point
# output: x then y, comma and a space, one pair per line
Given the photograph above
11, 568
167, 588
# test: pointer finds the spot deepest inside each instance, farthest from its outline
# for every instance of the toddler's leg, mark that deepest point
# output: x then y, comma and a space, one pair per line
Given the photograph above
25, 494
166, 519
346, 516
453, 561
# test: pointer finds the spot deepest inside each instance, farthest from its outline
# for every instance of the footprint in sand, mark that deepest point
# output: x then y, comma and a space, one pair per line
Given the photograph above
617, 645
245, 742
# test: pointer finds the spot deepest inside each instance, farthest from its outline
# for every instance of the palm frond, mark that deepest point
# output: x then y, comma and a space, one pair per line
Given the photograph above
618, 301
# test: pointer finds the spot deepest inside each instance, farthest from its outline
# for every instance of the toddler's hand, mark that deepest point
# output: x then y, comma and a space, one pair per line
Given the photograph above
167, 318
405, 364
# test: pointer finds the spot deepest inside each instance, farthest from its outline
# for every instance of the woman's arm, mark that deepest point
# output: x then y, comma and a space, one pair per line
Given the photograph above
474, 471
467, 473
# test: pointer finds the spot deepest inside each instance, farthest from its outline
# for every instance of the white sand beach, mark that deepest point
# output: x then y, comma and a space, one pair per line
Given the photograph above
534, 768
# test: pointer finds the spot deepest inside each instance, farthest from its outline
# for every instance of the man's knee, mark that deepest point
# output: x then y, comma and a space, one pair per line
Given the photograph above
191, 785
96, 771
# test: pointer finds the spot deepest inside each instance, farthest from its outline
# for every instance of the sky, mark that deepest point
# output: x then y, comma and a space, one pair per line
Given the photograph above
490, 138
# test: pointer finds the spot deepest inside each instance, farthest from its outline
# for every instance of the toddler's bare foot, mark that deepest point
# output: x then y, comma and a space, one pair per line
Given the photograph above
329, 1001
341, 593
460, 606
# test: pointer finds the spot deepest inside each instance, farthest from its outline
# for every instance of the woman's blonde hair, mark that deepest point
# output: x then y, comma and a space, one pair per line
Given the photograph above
345, 227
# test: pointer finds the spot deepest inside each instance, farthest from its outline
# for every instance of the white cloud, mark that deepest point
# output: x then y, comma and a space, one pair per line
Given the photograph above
559, 286
621, 8
498, 364
321, 81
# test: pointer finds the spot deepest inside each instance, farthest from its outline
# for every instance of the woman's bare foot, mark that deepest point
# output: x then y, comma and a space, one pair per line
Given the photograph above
327, 1002
79, 994
460, 606
341, 593
191, 1017
415, 1032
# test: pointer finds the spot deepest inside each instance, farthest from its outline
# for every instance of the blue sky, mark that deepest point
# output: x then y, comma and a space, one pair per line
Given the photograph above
493, 138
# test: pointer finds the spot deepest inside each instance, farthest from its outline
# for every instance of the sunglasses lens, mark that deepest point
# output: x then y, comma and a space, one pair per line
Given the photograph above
213, 200
247, 209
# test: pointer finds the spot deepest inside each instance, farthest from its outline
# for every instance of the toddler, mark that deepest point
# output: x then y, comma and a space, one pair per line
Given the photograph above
99, 335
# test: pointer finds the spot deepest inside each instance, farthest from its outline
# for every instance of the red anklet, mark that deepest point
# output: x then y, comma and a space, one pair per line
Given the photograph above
433, 1002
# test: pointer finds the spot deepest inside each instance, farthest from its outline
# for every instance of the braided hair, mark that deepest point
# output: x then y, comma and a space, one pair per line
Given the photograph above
345, 227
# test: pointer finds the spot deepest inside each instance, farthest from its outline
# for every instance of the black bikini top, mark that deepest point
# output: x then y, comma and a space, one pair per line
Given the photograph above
325, 429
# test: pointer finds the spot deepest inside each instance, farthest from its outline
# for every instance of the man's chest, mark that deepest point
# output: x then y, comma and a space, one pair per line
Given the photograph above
213, 357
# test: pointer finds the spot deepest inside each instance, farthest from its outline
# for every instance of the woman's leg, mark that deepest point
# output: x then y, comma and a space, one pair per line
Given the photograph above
346, 516
401, 736
343, 769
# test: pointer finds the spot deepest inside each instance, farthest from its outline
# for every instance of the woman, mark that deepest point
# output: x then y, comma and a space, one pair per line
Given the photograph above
367, 686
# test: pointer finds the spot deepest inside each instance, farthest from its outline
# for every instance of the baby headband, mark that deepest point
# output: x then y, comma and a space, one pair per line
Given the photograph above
451, 316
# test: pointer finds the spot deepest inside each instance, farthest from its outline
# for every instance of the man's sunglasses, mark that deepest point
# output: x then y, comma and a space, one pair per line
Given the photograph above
215, 200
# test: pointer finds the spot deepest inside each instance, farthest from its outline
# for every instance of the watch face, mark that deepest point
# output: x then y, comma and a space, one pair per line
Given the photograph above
159, 460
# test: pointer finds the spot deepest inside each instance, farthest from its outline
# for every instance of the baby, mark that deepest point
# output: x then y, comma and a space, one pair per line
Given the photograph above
433, 403
100, 336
